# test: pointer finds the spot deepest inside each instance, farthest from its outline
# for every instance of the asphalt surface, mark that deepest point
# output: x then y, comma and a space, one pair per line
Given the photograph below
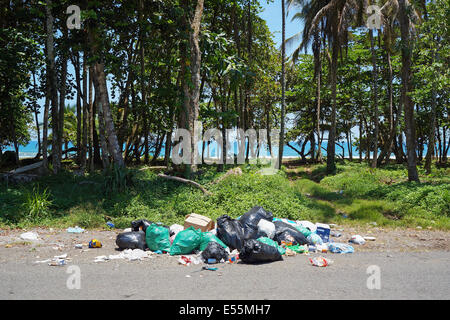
403, 275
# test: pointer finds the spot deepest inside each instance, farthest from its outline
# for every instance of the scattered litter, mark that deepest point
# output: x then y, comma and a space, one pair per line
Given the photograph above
335, 234
63, 256
340, 248
210, 268
131, 255
77, 229
188, 276
127, 230
320, 262
357, 239
94, 243
29, 236
79, 246
369, 238
184, 260
110, 224
57, 263
101, 259
43, 261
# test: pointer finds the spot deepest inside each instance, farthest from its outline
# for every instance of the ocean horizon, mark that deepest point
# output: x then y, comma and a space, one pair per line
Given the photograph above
30, 150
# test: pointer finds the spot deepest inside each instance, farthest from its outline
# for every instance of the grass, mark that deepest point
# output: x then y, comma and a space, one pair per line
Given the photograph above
381, 195
354, 195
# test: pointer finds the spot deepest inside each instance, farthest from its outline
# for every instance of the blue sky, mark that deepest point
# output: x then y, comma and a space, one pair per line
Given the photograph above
272, 15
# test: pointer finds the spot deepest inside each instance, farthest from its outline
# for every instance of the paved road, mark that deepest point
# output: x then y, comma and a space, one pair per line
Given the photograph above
402, 275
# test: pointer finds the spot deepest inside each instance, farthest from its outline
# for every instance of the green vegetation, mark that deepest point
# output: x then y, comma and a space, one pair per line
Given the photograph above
381, 195
355, 195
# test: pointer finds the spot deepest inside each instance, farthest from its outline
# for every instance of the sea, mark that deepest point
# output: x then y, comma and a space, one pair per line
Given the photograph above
30, 150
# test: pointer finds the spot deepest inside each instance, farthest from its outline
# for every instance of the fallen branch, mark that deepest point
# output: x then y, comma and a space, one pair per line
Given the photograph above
27, 168
193, 183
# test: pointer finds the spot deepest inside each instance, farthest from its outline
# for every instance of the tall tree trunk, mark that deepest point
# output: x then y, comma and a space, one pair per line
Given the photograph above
84, 140
331, 147
283, 83
62, 95
387, 150
318, 75
193, 93
375, 99
76, 63
56, 160
114, 148
410, 130
432, 133
36, 112
99, 77
142, 80
91, 121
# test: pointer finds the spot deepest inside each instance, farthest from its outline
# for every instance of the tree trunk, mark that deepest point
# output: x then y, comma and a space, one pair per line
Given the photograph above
331, 147
91, 121
318, 74
410, 130
56, 160
375, 99
283, 83
432, 133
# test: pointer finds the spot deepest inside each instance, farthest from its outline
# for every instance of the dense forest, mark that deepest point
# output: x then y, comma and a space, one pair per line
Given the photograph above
117, 83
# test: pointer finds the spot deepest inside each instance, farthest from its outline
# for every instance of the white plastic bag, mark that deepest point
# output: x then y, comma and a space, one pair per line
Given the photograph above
307, 224
357, 239
267, 228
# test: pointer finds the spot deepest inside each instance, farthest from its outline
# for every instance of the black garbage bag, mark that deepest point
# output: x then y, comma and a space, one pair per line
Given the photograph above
140, 224
288, 233
131, 240
230, 232
250, 220
255, 251
214, 250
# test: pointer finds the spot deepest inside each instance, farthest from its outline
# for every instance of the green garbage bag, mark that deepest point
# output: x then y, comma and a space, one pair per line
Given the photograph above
272, 243
207, 237
157, 238
298, 248
305, 231
186, 241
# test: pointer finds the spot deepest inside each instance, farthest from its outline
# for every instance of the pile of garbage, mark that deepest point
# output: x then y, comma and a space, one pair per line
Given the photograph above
254, 237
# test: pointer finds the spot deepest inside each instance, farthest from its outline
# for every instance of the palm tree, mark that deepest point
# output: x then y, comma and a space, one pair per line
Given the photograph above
338, 15
304, 15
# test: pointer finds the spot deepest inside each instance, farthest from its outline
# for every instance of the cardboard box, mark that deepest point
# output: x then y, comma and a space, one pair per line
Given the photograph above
198, 222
